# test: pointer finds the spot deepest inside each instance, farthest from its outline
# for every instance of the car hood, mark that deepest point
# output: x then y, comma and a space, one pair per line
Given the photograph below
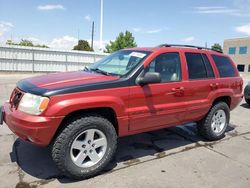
65, 79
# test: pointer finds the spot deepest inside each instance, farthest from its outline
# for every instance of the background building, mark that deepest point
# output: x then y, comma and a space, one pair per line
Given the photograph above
239, 50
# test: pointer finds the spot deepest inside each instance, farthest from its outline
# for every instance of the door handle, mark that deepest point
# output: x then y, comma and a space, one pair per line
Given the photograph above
179, 91
214, 86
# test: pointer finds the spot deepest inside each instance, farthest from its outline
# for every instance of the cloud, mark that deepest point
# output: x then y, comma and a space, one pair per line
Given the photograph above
154, 31
209, 7
188, 39
88, 18
51, 7
136, 29
96, 44
66, 42
215, 10
243, 29
240, 8
5, 27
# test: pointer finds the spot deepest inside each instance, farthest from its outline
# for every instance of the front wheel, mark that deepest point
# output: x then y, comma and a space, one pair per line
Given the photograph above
85, 146
213, 126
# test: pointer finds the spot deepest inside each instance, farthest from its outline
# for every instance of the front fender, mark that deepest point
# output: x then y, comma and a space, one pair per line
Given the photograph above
64, 104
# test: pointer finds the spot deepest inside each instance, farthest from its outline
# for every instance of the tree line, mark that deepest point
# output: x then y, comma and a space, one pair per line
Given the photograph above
123, 40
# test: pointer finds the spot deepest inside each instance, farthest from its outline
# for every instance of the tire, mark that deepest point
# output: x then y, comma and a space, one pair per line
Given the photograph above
247, 101
212, 127
72, 143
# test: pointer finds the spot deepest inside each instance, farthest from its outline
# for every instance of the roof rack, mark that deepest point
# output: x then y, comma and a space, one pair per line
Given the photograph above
188, 46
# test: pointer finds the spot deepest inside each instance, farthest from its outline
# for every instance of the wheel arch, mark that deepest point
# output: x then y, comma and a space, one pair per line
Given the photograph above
106, 112
226, 99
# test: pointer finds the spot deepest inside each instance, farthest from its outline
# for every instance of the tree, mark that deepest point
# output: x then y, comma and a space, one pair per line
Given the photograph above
216, 47
123, 40
9, 42
25, 42
41, 46
83, 45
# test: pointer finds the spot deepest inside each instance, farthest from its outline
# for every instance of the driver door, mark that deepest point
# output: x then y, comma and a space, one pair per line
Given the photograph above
159, 104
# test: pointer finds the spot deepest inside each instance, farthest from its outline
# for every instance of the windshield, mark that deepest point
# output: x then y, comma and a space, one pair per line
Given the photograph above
119, 63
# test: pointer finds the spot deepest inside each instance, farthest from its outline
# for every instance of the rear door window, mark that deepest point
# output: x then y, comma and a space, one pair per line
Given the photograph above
224, 66
198, 66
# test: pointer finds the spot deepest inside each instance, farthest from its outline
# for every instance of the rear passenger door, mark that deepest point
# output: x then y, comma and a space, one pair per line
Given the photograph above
201, 82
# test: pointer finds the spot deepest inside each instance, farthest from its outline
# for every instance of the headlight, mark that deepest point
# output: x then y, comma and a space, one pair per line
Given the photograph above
33, 104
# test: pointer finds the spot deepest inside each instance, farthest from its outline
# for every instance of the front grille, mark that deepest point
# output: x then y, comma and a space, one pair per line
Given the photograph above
15, 97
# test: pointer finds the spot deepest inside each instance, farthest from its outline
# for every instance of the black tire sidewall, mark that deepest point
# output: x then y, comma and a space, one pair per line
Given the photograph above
80, 170
224, 107
71, 169
247, 101
205, 125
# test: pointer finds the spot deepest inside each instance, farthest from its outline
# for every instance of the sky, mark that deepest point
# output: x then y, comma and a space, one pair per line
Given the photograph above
59, 24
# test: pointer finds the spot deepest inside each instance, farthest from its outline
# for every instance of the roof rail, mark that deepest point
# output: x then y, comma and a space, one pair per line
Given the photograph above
188, 46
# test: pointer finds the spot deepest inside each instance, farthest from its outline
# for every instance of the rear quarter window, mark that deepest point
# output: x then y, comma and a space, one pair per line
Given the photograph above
210, 72
224, 66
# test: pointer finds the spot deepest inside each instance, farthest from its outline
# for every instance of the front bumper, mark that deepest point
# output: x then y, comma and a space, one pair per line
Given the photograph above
36, 129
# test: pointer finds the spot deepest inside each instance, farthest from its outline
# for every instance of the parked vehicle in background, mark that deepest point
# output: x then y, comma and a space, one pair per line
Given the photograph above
247, 93
81, 114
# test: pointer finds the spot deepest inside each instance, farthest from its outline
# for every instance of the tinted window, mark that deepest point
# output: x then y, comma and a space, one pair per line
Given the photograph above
248, 68
210, 72
232, 50
224, 66
243, 50
168, 65
241, 68
196, 67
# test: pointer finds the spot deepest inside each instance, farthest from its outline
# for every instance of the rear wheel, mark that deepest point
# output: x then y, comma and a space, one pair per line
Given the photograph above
213, 126
247, 101
85, 146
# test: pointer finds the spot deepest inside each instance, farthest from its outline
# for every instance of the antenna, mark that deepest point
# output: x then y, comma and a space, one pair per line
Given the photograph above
92, 35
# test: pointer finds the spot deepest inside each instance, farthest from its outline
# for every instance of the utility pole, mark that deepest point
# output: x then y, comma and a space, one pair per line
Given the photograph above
101, 24
92, 35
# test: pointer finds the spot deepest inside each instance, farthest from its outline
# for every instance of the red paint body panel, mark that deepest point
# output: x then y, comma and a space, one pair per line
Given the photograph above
59, 80
137, 108
39, 129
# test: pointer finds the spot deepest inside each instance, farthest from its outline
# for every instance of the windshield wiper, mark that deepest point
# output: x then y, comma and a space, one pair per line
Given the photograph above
100, 71
86, 69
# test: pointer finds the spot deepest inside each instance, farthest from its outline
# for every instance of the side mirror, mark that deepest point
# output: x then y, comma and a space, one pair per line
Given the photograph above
149, 78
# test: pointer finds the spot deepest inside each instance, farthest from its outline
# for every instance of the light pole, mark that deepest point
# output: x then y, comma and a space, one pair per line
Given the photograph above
101, 24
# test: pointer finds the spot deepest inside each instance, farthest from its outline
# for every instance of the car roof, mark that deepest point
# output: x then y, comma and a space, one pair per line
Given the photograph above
184, 48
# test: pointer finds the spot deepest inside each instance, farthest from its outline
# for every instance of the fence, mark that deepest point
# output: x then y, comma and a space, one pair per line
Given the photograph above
18, 58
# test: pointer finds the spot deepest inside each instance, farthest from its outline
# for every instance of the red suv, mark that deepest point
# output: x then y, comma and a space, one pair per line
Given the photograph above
81, 114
